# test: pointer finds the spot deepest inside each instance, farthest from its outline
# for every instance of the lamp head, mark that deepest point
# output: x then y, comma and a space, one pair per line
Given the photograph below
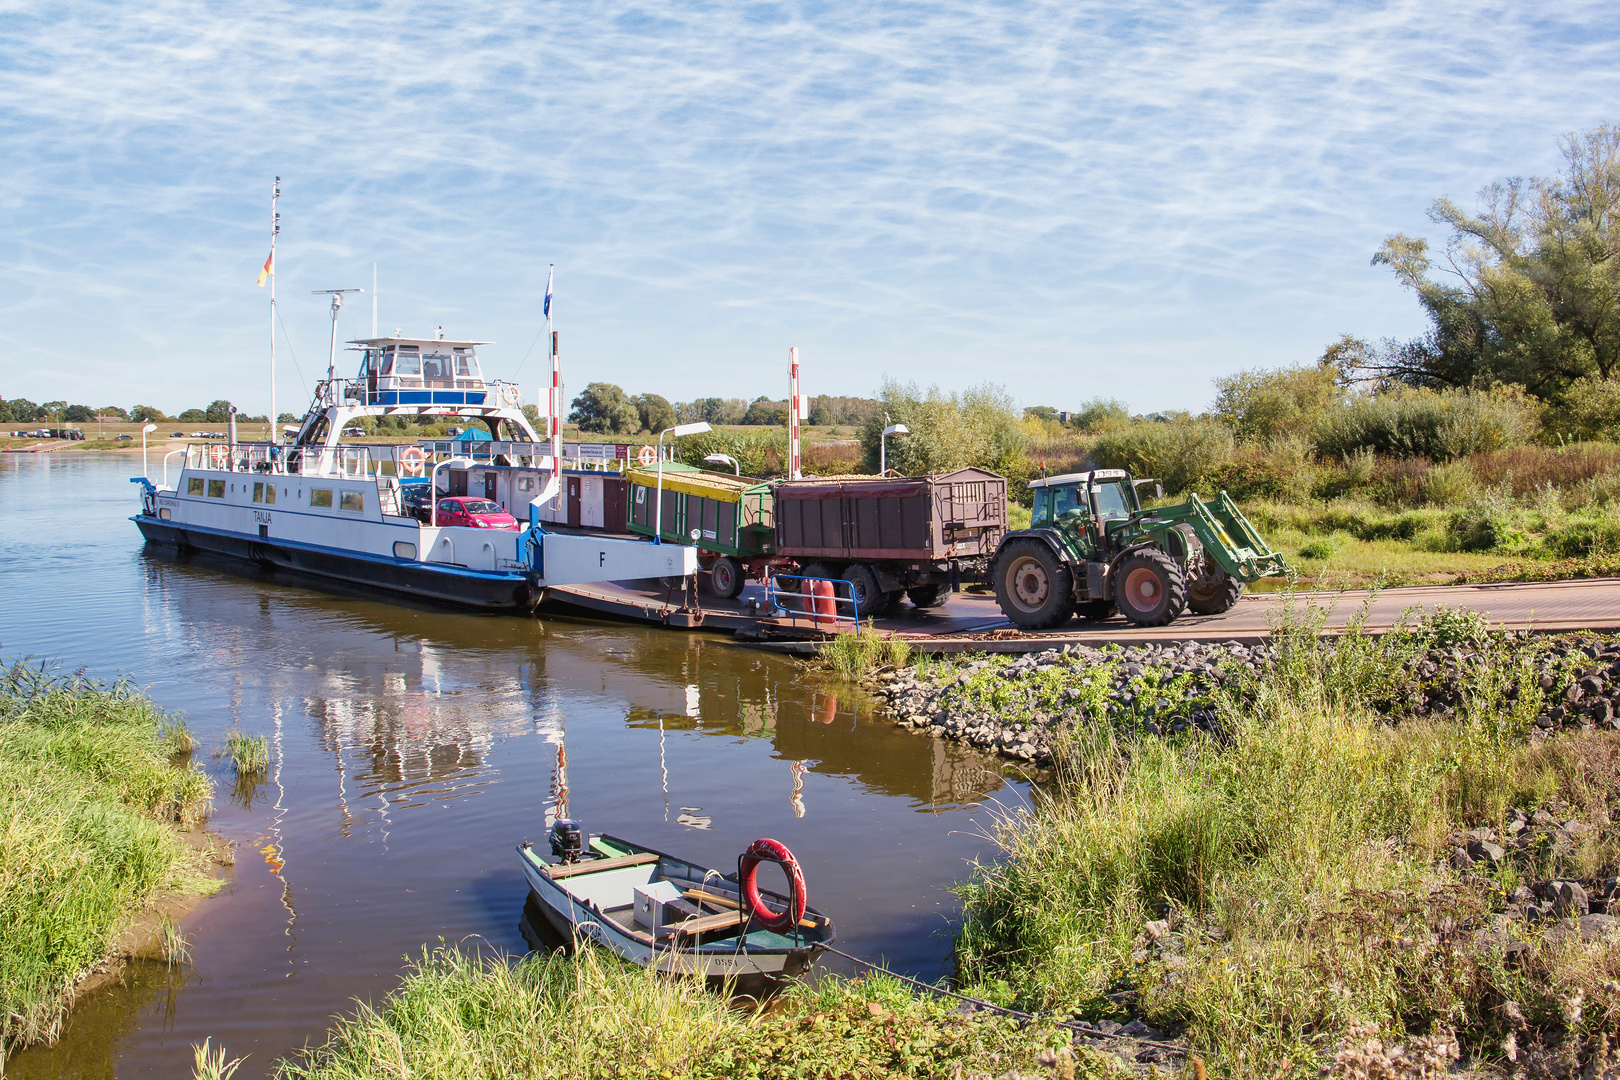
148, 428
688, 429
897, 429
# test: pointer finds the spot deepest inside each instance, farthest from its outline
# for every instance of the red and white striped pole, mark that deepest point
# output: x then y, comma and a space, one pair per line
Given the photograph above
794, 472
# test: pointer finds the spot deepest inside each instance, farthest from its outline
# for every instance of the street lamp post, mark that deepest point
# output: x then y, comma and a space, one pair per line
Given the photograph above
144, 431
658, 509
883, 444
725, 459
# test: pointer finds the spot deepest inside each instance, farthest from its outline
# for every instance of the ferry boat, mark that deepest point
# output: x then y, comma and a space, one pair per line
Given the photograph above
341, 511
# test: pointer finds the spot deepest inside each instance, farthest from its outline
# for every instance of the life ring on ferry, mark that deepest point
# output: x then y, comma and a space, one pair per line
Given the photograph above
219, 456
511, 395
646, 456
410, 461
768, 850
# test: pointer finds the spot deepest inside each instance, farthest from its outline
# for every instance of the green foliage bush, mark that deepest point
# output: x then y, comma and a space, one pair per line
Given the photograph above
980, 427
1181, 451
1438, 425
1263, 405
760, 453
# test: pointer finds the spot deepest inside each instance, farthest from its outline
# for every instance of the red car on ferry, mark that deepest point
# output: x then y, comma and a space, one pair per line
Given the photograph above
474, 514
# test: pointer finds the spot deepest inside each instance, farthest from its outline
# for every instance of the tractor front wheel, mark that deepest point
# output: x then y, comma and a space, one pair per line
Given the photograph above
1214, 594
1034, 587
1150, 588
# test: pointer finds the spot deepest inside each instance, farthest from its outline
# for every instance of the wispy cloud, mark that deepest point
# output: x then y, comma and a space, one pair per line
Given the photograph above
1070, 199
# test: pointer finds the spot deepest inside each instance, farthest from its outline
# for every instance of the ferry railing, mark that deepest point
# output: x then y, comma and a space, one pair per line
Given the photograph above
807, 601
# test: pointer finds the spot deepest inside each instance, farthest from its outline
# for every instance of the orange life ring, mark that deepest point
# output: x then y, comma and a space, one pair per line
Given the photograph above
768, 850
410, 461
646, 456
220, 456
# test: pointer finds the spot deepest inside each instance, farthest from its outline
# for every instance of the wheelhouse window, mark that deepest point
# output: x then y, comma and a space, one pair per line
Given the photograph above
320, 497
408, 362
436, 366
385, 365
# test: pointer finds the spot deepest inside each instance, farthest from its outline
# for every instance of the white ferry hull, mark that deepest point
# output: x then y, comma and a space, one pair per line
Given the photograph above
459, 586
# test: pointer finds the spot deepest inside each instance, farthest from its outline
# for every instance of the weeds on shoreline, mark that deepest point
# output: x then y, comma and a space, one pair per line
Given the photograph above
1267, 892
856, 655
92, 778
591, 1015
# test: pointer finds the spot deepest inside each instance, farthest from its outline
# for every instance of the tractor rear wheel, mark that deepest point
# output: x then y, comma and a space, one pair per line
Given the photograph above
927, 596
1214, 594
1034, 588
726, 577
1150, 588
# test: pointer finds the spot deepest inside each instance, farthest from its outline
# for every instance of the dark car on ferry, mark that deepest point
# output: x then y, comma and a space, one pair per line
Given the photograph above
474, 514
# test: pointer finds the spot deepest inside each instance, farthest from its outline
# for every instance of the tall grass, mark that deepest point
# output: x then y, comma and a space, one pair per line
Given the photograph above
1299, 863
855, 655
250, 754
460, 1016
89, 786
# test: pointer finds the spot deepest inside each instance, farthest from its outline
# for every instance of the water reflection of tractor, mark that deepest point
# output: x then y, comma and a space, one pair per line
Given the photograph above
1092, 548
915, 537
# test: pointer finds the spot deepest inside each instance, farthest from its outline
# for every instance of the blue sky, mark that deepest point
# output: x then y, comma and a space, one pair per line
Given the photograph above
1069, 199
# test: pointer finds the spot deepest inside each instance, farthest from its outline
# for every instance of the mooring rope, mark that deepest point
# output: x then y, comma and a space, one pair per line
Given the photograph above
1002, 1009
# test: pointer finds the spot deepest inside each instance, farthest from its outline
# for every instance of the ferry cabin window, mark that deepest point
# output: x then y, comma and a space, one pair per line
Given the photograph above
258, 493
216, 489
352, 500
320, 497
408, 362
436, 366
264, 493
386, 365
194, 486
464, 368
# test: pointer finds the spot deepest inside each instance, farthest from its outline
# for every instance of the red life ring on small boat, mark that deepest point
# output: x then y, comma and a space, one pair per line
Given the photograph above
767, 850
410, 461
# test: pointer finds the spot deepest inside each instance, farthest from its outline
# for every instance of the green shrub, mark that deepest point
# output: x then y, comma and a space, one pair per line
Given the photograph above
1181, 451
1583, 536
1450, 483
759, 452
1322, 548
979, 427
1439, 425
1260, 406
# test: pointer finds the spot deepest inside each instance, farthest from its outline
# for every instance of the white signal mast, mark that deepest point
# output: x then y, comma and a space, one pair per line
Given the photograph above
275, 229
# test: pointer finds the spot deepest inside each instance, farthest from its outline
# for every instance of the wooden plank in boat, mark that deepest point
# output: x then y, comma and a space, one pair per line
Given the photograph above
593, 866
709, 923
727, 902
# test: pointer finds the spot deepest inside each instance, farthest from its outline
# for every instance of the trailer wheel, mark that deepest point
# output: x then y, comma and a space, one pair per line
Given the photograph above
869, 597
726, 577
1214, 594
929, 596
1034, 587
1149, 588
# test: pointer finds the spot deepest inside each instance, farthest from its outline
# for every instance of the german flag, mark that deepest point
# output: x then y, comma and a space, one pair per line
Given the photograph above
268, 269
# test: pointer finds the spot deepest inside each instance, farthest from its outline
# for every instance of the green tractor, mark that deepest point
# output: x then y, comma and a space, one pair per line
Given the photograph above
1091, 549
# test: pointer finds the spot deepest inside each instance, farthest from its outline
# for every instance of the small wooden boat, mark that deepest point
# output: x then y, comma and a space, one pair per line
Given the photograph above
660, 911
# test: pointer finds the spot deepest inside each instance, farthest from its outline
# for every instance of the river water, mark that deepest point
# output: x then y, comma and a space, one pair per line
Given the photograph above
413, 748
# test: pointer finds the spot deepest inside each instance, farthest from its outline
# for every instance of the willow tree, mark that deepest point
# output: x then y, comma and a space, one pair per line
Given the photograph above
1526, 289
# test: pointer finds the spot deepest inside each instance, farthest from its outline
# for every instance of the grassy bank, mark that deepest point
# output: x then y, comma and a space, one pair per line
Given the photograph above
592, 1016
93, 779
1326, 865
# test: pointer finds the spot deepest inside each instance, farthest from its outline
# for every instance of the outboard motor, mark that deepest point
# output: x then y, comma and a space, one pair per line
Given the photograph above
567, 842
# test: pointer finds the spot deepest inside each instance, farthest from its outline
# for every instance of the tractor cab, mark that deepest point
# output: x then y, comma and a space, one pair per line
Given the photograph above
1084, 507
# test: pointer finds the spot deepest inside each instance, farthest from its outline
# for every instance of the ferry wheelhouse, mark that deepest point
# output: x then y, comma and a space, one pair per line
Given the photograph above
344, 510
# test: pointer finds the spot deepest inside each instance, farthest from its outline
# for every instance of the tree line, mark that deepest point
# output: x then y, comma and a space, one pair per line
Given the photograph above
23, 411
606, 409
